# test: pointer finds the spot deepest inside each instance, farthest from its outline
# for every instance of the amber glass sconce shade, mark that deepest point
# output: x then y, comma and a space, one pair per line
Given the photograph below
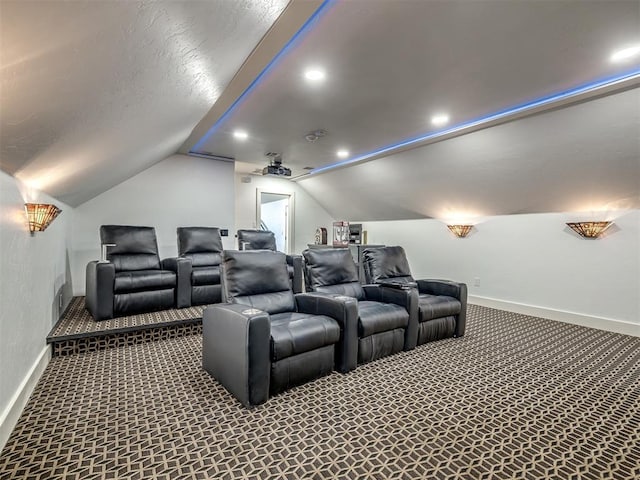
40, 215
589, 229
460, 231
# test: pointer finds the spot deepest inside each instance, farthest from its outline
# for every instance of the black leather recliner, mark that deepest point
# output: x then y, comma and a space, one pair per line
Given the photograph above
442, 303
266, 340
197, 266
387, 316
266, 240
132, 280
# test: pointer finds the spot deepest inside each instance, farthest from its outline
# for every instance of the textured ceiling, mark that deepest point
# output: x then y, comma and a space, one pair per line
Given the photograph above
392, 64
581, 158
93, 92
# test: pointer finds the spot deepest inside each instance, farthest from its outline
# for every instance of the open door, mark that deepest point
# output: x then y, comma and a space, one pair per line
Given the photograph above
275, 213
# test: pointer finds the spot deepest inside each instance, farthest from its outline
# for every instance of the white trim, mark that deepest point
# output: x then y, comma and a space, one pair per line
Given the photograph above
601, 323
16, 405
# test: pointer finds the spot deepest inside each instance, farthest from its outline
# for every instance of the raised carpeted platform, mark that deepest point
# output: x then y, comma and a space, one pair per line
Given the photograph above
77, 331
517, 398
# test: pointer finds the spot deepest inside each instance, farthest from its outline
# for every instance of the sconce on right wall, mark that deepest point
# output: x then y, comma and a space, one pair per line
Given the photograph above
460, 231
589, 229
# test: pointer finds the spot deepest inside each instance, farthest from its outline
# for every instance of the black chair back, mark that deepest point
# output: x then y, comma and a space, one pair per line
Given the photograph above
135, 248
256, 240
386, 263
332, 270
202, 245
258, 279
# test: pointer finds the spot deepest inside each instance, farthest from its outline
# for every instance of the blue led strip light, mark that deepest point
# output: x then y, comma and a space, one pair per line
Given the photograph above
501, 114
300, 33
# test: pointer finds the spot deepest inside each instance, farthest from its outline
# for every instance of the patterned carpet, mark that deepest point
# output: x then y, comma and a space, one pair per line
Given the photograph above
517, 398
77, 320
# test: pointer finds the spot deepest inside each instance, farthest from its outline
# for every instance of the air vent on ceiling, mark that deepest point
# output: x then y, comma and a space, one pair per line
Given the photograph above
309, 168
315, 135
212, 156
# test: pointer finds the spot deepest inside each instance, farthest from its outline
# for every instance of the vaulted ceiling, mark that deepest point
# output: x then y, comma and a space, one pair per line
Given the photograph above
96, 91
93, 92
391, 65
583, 158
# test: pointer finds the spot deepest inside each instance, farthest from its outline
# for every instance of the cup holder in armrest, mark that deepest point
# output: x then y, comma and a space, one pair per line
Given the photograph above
398, 285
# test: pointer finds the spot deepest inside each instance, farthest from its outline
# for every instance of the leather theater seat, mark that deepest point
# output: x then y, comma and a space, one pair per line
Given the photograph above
266, 240
265, 339
442, 303
132, 280
198, 266
387, 317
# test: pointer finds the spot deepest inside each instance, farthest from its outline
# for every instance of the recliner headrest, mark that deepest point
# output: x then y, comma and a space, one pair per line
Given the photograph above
329, 266
199, 240
384, 263
129, 239
254, 272
256, 240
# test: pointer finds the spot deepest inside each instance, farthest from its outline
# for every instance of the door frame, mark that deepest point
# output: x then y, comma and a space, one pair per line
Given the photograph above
290, 231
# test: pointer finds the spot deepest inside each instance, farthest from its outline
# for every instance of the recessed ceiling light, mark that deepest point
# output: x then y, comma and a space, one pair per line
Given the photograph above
315, 74
625, 53
440, 119
342, 153
240, 134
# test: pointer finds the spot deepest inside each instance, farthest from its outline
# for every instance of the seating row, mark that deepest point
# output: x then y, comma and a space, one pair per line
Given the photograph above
265, 339
133, 278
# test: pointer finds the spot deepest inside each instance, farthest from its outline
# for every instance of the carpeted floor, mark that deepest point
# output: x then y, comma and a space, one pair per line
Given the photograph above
77, 319
517, 398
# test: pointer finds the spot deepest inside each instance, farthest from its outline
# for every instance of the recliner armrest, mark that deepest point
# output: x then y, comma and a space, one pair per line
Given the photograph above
296, 262
398, 285
345, 311
182, 267
400, 296
442, 287
407, 298
449, 289
235, 350
100, 280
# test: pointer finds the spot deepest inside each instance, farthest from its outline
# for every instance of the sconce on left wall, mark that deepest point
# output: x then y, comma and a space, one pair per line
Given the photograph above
40, 215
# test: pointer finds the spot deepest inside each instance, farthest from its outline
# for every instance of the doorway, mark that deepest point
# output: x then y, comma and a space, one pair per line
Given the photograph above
275, 213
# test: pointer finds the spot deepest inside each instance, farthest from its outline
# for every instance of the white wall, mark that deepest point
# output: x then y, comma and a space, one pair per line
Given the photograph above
309, 214
533, 260
179, 191
35, 272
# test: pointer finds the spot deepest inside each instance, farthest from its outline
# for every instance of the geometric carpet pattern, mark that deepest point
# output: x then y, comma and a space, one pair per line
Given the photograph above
78, 333
102, 340
77, 319
517, 398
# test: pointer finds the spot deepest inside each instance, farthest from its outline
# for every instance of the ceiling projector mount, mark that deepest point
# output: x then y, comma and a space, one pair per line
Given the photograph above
275, 167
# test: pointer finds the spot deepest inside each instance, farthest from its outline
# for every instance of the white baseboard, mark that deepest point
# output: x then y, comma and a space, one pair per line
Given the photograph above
601, 323
11, 414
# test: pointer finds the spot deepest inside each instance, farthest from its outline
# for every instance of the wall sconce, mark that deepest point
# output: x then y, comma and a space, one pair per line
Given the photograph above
460, 231
40, 215
589, 229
